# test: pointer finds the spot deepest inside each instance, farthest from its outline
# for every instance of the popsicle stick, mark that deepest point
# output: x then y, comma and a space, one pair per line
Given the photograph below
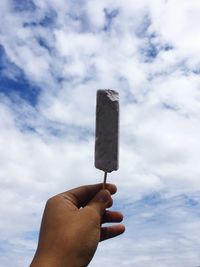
104, 180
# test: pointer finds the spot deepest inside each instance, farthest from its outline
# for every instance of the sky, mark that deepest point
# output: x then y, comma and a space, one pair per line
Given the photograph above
54, 56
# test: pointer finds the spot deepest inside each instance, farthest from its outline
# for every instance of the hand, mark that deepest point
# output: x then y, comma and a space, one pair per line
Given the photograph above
71, 226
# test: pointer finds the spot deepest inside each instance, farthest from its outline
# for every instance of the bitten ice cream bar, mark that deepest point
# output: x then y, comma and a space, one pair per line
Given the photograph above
107, 131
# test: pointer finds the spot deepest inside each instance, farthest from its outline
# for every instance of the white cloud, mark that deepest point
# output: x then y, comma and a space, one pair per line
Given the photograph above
149, 52
167, 224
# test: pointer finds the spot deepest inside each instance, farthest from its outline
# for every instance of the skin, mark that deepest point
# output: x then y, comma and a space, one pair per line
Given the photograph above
71, 226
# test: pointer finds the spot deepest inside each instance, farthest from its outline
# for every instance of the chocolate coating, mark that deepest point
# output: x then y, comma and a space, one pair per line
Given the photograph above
107, 130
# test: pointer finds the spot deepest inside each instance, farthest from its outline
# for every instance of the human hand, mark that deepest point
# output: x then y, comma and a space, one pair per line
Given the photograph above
71, 226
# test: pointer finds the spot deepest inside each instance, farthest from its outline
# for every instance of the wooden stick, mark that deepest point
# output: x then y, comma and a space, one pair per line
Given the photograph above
104, 180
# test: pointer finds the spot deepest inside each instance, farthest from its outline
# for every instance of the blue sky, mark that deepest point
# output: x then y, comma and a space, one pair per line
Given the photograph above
54, 55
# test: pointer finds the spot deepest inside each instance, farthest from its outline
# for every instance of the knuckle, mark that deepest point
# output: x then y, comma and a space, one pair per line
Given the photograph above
51, 201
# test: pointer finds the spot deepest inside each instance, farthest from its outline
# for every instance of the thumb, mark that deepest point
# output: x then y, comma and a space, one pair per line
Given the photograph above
101, 201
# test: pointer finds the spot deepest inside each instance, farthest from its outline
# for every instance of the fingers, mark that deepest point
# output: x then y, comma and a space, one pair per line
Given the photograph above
100, 202
111, 231
112, 217
80, 196
115, 230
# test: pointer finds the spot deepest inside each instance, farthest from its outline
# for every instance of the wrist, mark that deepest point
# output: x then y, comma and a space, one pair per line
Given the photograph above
42, 260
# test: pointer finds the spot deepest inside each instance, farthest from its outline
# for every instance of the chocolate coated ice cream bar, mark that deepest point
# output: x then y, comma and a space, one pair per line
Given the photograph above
107, 130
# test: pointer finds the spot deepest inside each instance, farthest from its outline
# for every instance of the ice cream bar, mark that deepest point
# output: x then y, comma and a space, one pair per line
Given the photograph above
107, 130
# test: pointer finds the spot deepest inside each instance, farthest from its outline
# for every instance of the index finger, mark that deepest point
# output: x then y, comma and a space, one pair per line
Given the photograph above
80, 196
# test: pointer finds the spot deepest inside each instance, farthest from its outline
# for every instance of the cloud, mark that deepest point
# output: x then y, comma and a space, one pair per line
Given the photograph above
54, 55
157, 222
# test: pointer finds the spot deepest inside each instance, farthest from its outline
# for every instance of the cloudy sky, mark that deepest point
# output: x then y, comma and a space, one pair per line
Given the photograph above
54, 55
